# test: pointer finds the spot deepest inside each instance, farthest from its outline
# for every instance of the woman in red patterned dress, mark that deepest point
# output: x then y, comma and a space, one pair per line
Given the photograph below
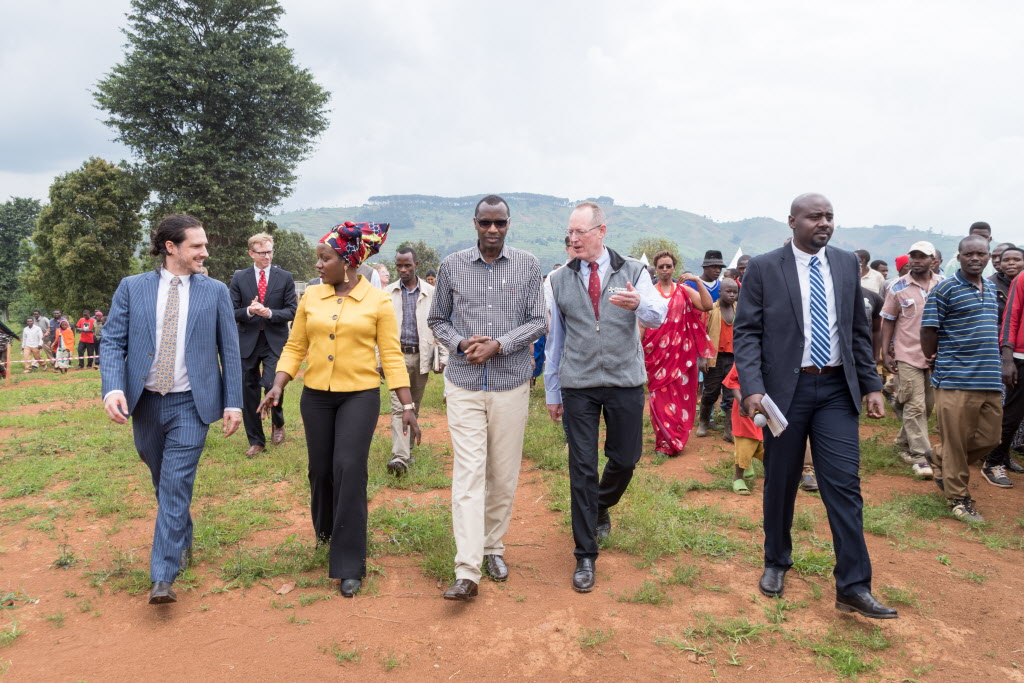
671, 353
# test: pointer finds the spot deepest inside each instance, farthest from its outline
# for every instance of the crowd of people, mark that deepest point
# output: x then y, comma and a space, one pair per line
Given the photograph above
610, 336
49, 343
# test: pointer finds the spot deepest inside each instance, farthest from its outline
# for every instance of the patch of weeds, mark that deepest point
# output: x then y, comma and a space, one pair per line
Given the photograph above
122, 575
816, 592
293, 619
728, 629
593, 637
391, 661
342, 656
900, 517
10, 634
775, 610
318, 582
971, 576
879, 455
309, 598
682, 575
405, 528
899, 596
66, 558
845, 652
813, 562
10, 599
246, 566
649, 593
57, 619
427, 471
805, 520
944, 559
85, 606
70, 594
218, 525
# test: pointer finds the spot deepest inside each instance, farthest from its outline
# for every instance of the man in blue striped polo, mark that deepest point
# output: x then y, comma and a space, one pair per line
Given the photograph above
960, 337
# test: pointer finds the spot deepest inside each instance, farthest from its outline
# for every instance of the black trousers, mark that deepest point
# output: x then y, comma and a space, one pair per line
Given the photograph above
258, 372
823, 411
713, 379
339, 428
623, 409
86, 349
1013, 413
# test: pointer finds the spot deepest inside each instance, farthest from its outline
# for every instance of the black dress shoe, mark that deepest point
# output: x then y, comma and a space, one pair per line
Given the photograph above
772, 583
864, 603
162, 593
496, 567
583, 577
463, 589
604, 524
350, 587
1013, 466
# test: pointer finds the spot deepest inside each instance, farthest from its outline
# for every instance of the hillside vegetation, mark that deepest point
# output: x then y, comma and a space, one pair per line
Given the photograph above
538, 225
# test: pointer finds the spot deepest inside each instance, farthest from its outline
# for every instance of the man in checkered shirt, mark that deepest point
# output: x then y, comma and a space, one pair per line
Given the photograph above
488, 310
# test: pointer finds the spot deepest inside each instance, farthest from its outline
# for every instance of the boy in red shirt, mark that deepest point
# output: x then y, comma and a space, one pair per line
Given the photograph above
749, 440
87, 342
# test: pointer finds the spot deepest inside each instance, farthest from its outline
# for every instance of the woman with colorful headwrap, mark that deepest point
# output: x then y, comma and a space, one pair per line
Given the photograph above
337, 326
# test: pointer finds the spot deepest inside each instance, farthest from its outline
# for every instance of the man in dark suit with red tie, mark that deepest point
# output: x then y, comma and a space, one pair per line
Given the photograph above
802, 337
264, 301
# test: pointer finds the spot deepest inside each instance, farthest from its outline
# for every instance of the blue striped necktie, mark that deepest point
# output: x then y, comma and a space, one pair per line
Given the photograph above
821, 351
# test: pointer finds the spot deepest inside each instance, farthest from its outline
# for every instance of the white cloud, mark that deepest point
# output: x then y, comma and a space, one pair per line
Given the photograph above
901, 112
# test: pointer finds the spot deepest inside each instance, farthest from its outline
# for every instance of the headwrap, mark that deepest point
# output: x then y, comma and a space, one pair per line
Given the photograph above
901, 261
356, 242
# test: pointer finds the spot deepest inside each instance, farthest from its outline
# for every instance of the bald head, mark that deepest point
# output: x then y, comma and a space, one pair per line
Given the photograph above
806, 199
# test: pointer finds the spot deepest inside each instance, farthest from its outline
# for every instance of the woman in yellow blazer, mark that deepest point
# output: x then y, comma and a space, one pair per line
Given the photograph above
338, 324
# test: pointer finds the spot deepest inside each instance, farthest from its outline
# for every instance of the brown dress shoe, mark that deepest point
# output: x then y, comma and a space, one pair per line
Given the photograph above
277, 438
463, 589
496, 567
254, 451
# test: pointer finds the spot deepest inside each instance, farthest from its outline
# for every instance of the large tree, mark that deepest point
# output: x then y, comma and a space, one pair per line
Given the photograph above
216, 112
86, 238
17, 220
294, 253
427, 257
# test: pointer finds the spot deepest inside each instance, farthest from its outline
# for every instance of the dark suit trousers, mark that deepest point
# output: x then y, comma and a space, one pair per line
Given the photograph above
339, 428
713, 379
823, 411
258, 372
169, 436
623, 409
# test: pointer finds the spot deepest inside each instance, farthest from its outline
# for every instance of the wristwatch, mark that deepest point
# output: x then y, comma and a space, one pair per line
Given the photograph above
408, 406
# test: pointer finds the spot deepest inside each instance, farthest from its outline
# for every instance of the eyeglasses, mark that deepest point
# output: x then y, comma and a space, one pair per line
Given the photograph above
264, 253
484, 223
580, 233
666, 266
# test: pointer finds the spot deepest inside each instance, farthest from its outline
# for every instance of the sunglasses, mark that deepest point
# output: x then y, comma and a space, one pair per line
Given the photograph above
484, 223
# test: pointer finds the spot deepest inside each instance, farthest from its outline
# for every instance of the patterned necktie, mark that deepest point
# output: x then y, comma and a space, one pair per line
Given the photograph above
821, 350
261, 286
164, 379
594, 289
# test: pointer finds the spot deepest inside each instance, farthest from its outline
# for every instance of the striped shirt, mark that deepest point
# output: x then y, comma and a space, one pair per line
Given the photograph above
409, 335
967, 319
503, 300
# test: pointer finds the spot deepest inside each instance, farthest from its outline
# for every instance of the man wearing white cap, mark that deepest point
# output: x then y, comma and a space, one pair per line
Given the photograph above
901, 342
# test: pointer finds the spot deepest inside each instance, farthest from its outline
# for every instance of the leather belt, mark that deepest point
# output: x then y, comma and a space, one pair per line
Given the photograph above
410, 349
814, 370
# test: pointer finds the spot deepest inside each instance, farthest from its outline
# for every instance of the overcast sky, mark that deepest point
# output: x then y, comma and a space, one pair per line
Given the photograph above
902, 112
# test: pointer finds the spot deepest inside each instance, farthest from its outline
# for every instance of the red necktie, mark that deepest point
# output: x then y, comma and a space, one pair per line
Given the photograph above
594, 289
261, 286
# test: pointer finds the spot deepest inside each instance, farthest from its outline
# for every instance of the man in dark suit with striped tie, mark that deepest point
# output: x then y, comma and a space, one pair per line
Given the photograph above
264, 301
801, 336
171, 363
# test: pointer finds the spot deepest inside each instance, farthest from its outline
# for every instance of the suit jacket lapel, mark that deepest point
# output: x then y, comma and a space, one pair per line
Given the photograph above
196, 302
838, 278
149, 292
792, 280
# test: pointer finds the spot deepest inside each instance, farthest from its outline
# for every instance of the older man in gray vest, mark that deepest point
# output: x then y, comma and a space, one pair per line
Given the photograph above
595, 363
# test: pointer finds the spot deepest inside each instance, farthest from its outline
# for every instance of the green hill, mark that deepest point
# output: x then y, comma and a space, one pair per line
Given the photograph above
539, 221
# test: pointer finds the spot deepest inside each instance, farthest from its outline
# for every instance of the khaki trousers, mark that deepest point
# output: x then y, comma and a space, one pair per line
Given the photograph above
487, 430
401, 444
30, 353
969, 424
916, 398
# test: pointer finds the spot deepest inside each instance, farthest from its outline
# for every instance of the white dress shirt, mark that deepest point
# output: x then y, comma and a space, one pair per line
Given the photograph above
266, 272
803, 271
32, 337
181, 382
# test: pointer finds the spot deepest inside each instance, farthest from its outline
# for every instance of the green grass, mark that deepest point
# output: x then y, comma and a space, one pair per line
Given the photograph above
341, 655
649, 593
737, 630
809, 561
247, 565
846, 652
899, 596
593, 637
57, 619
776, 609
682, 575
12, 598
10, 634
391, 661
405, 528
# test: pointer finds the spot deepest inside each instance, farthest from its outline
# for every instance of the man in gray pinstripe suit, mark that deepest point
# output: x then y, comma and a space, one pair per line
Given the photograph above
171, 362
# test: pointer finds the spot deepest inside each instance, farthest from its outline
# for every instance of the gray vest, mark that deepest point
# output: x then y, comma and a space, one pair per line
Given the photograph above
605, 352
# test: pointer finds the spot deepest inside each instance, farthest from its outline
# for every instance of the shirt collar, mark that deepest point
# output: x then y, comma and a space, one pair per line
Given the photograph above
602, 261
959, 275
406, 289
804, 259
167, 276
267, 269
357, 293
478, 256
908, 279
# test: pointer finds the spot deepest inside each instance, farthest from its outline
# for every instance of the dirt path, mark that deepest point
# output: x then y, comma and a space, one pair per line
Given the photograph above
529, 627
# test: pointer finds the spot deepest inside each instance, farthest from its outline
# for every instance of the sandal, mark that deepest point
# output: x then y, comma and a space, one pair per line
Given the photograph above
748, 474
740, 487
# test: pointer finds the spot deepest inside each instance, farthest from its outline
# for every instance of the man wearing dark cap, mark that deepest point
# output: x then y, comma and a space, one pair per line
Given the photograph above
712, 265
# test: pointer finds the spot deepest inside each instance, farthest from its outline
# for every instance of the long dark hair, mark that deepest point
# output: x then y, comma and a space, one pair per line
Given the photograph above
171, 229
